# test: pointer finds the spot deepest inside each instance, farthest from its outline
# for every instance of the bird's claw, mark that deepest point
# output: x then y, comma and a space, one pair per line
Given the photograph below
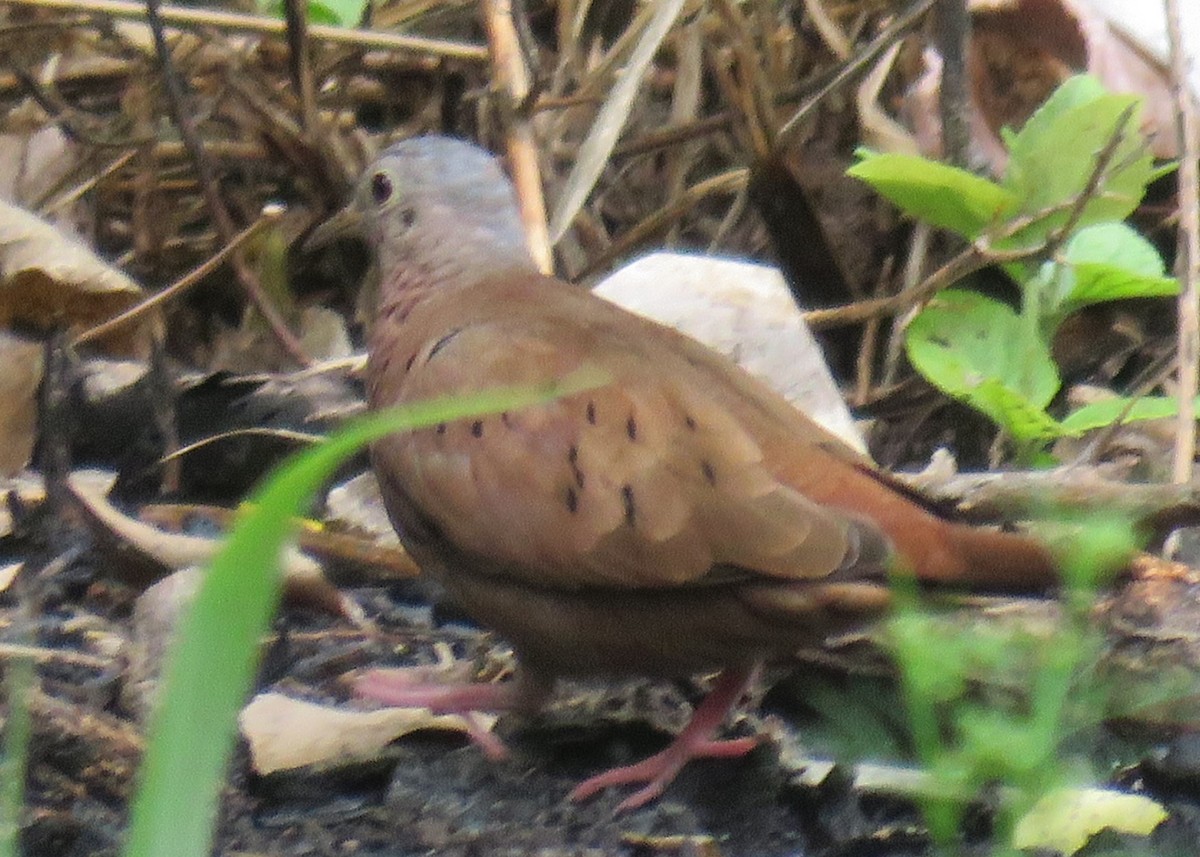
659, 770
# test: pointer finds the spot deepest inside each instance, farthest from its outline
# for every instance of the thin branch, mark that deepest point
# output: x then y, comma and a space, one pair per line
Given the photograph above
512, 78
967, 262
982, 253
300, 65
1187, 261
729, 182
42, 655
182, 117
857, 64
178, 17
674, 135
758, 111
182, 284
952, 30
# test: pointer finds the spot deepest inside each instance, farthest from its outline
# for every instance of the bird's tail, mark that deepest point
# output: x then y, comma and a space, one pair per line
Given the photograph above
979, 557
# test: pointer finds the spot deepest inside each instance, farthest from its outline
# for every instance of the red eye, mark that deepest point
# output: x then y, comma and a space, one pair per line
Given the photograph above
381, 188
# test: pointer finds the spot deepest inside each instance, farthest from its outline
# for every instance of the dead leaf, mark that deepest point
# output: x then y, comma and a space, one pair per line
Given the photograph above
323, 334
49, 281
34, 156
8, 574
22, 362
357, 506
1065, 820
288, 733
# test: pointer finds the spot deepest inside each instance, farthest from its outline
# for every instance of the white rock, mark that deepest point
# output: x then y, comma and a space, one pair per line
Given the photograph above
745, 311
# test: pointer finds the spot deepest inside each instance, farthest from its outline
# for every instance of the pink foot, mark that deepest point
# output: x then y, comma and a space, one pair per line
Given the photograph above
694, 742
418, 688
413, 688
659, 770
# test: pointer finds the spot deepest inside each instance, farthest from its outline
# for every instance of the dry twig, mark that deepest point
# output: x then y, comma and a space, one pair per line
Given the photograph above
208, 187
512, 80
179, 17
1188, 262
981, 254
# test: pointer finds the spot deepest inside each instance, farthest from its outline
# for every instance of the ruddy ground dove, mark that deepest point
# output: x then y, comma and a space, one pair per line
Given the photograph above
682, 517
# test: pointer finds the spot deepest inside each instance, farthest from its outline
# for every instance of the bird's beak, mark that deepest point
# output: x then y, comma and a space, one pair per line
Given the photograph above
345, 223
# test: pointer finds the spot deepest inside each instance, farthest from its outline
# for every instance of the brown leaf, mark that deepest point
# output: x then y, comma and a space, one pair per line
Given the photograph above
288, 733
49, 281
22, 362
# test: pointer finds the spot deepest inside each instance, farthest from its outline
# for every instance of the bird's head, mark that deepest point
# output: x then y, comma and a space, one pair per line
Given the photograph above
435, 203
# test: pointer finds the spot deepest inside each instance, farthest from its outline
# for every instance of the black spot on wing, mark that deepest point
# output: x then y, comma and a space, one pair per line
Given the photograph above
442, 343
573, 460
630, 506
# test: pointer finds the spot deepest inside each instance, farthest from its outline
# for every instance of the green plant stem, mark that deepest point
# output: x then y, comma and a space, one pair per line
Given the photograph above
211, 665
17, 733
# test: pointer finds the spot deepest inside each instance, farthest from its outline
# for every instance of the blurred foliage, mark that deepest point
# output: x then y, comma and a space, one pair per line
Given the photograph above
1053, 224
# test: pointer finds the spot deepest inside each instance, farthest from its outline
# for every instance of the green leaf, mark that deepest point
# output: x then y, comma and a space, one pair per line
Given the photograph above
335, 13
1054, 155
1163, 170
322, 13
945, 196
1106, 412
978, 350
1116, 245
934, 678
1096, 283
211, 666
345, 13
1111, 262
1013, 412
1105, 262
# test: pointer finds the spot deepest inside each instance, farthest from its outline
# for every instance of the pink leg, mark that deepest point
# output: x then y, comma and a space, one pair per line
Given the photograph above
694, 742
417, 687
404, 688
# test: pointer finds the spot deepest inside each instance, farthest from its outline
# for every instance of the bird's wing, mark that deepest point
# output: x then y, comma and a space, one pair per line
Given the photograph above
648, 481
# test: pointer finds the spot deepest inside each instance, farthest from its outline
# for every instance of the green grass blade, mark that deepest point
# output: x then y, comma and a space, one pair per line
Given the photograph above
212, 663
17, 731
